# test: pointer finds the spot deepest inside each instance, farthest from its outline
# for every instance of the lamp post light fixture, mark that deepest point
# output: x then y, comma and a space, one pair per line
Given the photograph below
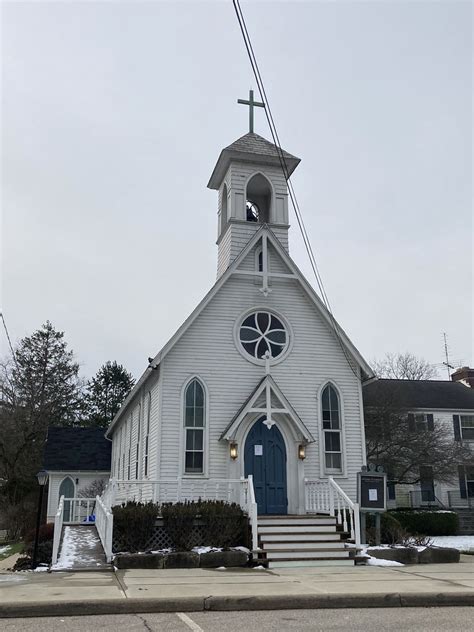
42, 477
302, 451
233, 450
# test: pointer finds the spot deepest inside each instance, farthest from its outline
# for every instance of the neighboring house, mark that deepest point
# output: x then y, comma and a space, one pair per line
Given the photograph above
210, 407
74, 458
432, 402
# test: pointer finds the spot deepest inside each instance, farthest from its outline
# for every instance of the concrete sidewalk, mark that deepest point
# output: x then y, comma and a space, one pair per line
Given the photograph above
43, 594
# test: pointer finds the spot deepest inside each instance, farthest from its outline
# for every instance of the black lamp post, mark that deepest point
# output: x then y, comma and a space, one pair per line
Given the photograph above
42, 477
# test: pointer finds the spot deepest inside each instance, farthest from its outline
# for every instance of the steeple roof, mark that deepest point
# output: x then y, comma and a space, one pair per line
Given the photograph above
250, 148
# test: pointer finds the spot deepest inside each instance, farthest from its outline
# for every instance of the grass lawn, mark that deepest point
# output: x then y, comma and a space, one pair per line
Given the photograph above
10, 549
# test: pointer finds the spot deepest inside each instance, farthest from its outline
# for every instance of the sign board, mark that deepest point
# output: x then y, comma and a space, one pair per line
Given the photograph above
371, 491
258, 450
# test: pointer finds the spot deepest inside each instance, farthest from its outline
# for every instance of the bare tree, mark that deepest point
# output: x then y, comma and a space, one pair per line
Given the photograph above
94, 489
404, 366
401, 446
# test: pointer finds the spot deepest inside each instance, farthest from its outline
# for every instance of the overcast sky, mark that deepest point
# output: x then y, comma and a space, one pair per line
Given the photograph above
115, 113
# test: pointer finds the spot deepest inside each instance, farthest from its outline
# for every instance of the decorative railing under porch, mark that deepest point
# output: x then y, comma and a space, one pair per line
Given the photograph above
328, 498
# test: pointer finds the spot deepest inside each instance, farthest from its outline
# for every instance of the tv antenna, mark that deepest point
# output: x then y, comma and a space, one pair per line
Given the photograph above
447, 364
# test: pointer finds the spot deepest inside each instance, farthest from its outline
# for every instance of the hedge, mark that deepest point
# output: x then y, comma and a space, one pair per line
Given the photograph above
134, 524
421, 522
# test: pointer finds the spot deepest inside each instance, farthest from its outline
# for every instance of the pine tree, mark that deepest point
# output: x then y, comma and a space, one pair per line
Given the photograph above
106, 392
39, 387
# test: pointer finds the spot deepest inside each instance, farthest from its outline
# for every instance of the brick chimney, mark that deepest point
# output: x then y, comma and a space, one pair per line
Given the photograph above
464, 375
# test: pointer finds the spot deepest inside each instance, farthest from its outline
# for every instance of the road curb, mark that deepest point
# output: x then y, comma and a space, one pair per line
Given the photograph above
199, 604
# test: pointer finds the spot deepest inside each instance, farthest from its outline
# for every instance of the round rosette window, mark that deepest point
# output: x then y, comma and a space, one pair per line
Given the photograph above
263, 332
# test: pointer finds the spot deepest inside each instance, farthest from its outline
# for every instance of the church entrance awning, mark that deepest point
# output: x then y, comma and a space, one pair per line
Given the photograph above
268, 400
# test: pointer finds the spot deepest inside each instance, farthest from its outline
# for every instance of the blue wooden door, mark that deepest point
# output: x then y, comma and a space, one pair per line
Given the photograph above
265, 459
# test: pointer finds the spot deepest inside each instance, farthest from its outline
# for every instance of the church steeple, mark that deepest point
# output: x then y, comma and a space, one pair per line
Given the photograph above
252, 191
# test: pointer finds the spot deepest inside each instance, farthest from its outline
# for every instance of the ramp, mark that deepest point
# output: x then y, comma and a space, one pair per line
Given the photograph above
80, 550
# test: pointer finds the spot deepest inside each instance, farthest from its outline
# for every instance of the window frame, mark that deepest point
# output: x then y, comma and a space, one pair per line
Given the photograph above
289, 335
329, 471
146, 438
185, 428
461, 427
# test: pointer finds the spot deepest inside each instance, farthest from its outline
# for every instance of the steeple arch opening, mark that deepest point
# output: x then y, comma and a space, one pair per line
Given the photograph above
223, 210
259, 197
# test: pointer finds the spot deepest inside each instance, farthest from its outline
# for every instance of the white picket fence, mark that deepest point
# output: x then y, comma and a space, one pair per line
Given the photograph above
328, 498
104, 522
58, 528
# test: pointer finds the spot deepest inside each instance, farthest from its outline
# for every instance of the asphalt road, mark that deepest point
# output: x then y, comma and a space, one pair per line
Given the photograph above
346, 620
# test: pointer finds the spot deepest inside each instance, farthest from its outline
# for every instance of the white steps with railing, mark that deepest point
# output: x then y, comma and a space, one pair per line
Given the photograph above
301, 541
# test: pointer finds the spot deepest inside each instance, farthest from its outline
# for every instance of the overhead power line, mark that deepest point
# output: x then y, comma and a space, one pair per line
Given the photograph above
8, 338
284, 166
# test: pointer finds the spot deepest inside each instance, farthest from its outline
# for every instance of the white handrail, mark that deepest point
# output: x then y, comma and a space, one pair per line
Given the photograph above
58, 527
252, 512
328, 497
104, 522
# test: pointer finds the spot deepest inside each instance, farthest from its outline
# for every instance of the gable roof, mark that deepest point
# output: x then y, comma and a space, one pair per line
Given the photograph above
250, 148
328, 318
250, 403
76, 449
433, 394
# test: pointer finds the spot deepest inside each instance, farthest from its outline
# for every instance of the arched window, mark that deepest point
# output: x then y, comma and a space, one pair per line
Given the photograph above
258, 199
194, 425
331, 411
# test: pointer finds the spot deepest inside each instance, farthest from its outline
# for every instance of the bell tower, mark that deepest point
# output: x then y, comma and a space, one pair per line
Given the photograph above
252, 191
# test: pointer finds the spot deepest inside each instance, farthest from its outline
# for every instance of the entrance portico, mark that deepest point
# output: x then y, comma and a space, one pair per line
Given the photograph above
269, 438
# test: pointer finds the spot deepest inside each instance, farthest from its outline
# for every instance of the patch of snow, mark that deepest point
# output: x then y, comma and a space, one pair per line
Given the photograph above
40, 569
463, 543
374, 561
205, 549
4, 549
76, 542
163, 551
259, 568
221, 568
240, 548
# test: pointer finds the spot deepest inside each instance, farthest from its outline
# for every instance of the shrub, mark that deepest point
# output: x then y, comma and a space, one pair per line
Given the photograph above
221, 524
46, 532
224, 524
133, 525
428, 522
45, 551
179, 521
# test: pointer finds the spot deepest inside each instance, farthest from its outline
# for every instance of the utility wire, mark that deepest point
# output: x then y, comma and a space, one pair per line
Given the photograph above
284, 166
9, 340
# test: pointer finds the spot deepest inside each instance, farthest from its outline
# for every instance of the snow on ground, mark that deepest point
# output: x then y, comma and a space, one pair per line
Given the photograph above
74, 549
464, 543
374, 561
4, 549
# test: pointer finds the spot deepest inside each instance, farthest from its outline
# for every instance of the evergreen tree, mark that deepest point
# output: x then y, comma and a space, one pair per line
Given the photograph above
39, 387
106, 392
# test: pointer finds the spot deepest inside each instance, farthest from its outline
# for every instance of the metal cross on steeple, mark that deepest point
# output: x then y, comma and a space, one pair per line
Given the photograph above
251, 103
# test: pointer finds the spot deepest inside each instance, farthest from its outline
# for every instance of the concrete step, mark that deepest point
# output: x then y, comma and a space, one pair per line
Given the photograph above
290, 536
301, 546
296, 528
296, 520
310, 563
311, 554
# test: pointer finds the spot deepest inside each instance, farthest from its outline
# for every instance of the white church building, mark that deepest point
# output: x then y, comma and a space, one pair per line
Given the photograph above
259, 383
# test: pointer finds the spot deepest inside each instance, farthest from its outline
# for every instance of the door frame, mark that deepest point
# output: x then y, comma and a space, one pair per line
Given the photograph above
260, 427
294, 466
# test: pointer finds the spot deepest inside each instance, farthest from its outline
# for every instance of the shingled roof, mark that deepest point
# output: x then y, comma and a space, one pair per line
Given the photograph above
412, 394
76, 449
250, 148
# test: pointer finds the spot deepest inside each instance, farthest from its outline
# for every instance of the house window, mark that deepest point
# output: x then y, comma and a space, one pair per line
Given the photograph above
194, 422
147, 434
259, 260
470, 481
331, 430
421, 422
467, 427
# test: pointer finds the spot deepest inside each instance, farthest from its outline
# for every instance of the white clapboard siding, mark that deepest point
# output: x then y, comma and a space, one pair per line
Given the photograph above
207, 349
